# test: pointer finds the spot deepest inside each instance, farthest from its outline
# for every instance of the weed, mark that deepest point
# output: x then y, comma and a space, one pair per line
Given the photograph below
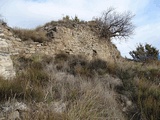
26, 34
17, 89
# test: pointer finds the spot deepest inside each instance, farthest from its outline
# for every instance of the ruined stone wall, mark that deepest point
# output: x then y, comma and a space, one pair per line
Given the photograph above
79, 40
6, 64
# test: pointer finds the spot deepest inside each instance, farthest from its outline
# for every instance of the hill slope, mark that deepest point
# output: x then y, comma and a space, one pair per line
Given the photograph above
56, 56
75, 40
66, 71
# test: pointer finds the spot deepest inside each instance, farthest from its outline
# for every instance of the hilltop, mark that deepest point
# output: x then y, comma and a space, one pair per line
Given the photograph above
56, 37
59, 52
69, 70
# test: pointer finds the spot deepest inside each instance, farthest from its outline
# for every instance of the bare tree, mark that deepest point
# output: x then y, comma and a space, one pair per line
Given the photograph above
113, 24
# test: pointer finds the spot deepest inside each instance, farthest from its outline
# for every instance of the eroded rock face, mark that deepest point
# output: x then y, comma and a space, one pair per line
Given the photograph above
6, 64
79, 40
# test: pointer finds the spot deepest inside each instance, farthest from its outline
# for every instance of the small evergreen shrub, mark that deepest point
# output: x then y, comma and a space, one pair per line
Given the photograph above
144, 53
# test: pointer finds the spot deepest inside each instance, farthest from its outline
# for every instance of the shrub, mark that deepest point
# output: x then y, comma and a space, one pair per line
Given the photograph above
113, 24
61, 57
76, 19
30, 82
35, 76
78, 65
144, 53
26, 34
33, 71
84, 97
99, 66
148, 99
19, 89
95, 104
66, 18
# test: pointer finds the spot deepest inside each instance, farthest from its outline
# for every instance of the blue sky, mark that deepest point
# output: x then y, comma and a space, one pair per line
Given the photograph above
31, 13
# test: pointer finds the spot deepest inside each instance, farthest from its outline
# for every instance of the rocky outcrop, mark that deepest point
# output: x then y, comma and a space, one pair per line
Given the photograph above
78, 40
6, 64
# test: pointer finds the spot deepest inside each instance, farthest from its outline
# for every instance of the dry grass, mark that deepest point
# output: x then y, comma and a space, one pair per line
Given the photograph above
97, 103
19, 89
85, 88
42, 111
79, 65
141, 82
85, 97
33, 35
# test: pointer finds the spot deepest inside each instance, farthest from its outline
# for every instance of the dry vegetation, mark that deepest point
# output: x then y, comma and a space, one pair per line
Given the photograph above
141, 81
43, 80
87, 89
40, 34
110, 24
84, 90
33, 35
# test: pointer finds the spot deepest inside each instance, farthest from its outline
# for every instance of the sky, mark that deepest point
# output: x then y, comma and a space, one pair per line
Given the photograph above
32, 13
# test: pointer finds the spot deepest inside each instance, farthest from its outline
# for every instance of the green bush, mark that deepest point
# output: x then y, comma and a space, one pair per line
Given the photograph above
145, 53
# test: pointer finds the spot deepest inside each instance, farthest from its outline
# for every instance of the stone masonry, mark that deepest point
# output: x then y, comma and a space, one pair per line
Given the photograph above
79, 40
6, 65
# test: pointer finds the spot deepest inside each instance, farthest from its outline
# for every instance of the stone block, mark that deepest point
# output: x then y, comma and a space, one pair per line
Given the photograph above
1, 34
6, 66
4, 49
3, 43
18, 39
14, 116
14, 53
39, 45
32, 51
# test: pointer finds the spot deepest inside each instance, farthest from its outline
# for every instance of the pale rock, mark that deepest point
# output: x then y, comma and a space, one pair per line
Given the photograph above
129, 103
39, 45
79, 40
58, 107
1, 34
124, 109
13, 110
6, 66
32, 52
18, 39
3, 43
2, 118
14, 116
21, 106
